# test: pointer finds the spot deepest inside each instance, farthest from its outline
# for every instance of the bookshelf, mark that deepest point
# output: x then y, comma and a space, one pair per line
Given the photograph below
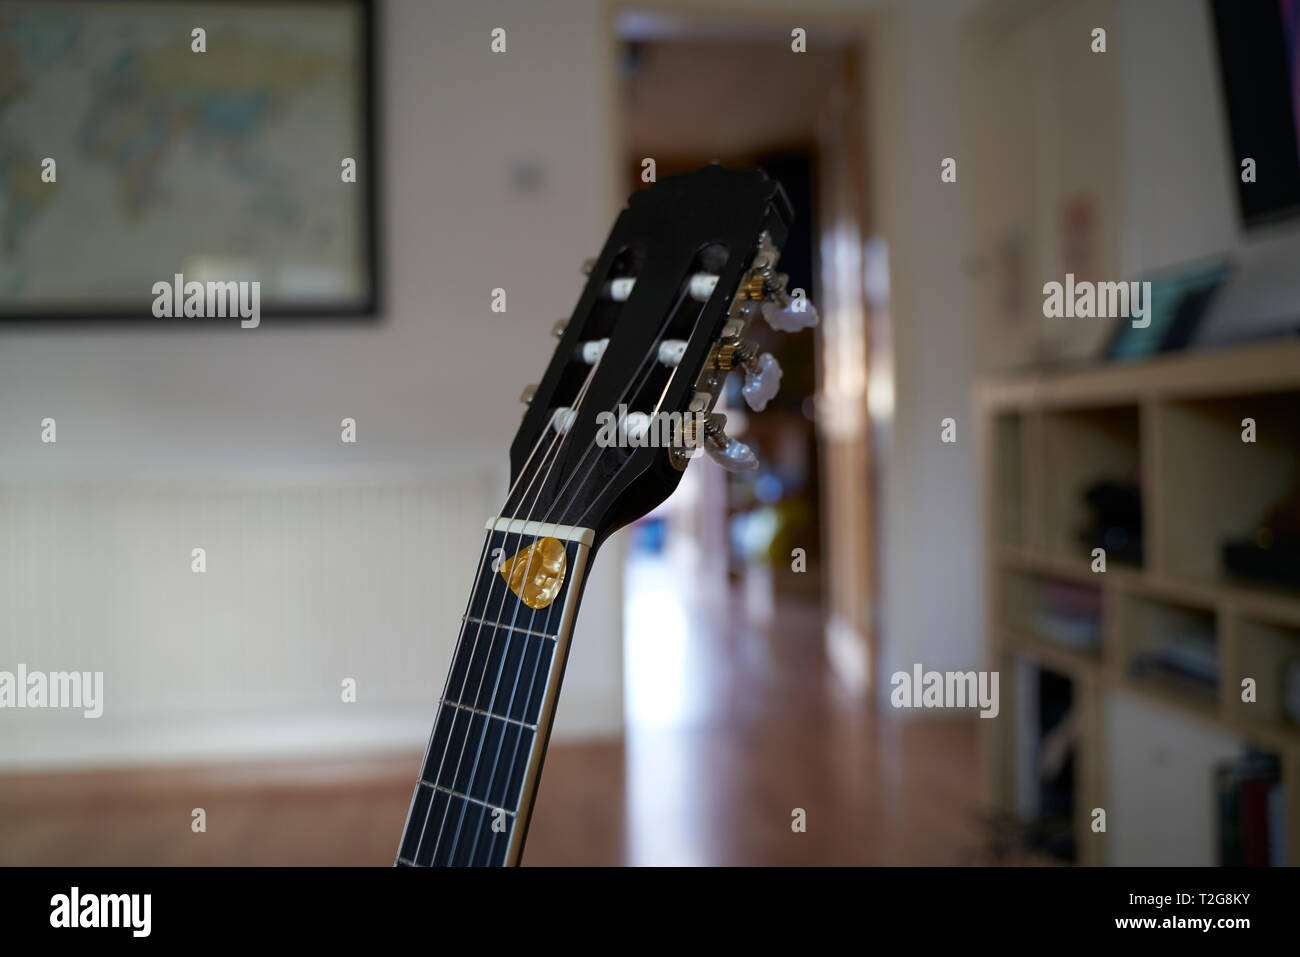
1171, 428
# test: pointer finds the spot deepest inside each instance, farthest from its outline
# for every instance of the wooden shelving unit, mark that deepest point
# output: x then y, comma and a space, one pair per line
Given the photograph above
1173, 425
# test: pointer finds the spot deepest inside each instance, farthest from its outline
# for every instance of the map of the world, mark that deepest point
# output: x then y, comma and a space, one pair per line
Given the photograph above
127, 155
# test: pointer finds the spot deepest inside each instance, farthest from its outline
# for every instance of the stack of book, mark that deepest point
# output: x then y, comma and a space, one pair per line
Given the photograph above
1068, 615
1251, 812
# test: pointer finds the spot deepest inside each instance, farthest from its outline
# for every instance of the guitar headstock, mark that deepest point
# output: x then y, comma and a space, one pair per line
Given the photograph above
628, 397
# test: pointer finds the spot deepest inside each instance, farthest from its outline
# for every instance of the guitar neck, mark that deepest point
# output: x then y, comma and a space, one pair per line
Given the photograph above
481, 769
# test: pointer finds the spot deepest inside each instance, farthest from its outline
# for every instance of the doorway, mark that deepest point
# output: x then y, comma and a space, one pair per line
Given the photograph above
745, 602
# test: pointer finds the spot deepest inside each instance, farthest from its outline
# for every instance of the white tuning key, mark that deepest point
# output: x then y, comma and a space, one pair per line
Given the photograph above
562, 419
593, 350
784, 317
732, 454
700, 287
762, 380
618, 289
671, 351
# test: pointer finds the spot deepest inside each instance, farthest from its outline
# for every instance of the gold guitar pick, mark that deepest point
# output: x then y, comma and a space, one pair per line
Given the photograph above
537, 573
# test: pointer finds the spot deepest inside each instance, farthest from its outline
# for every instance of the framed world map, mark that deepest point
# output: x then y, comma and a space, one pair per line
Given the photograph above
218, 141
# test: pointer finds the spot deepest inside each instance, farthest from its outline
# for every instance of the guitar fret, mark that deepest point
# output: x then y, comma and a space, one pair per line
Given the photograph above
487, 714
478, 755
466, 797
509, 627
501, 673
450, 829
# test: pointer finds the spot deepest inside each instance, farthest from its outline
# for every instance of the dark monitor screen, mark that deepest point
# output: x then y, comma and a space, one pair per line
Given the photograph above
1259, 59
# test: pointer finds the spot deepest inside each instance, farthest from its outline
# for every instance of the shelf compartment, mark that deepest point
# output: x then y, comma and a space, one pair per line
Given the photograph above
1091, 473
1218, 488
1269, 653
1172, 650
1065, 617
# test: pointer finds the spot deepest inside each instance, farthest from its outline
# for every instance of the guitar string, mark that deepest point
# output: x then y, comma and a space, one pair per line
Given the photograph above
424, 761
478, 578
557, 442
558, 502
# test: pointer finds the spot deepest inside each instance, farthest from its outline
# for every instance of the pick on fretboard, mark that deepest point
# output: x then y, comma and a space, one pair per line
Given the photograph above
480, 771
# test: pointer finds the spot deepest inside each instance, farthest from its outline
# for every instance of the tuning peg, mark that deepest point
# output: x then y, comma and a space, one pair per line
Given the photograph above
671, 351
784, 317
526, 396
562, 419
735, 456
732, 454
783, 312
762, 379
557, 330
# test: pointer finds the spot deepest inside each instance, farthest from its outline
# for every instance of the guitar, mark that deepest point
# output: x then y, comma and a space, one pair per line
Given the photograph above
625, 404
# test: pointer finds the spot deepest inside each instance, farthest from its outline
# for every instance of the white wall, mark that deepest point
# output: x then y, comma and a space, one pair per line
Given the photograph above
1044, 127
927, 506
166, 434
1176, 170
304, 587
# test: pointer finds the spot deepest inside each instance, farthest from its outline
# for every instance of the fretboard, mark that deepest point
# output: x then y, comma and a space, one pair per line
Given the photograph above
480, 771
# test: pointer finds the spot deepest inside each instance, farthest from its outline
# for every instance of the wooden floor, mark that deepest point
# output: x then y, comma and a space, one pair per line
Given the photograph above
771, 732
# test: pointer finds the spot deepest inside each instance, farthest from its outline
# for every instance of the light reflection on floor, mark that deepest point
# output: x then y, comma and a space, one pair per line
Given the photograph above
663, 690
658, 620
735, 719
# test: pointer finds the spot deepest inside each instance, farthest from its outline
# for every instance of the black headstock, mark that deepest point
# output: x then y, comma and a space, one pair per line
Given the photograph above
650, 285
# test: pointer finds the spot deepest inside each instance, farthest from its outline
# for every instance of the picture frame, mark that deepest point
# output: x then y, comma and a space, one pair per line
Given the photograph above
219, 156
